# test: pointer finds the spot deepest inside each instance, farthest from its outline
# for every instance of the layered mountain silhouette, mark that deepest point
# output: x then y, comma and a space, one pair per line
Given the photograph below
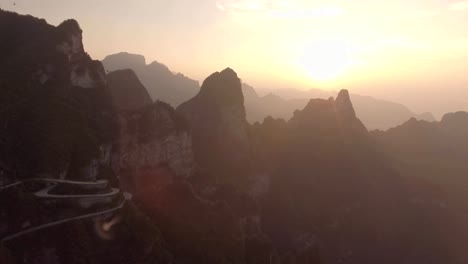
162, 84
176, 88
435, 152
329, 181
374, 113
96, 168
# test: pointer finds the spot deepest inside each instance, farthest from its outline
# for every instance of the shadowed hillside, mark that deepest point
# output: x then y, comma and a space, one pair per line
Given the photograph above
141, 165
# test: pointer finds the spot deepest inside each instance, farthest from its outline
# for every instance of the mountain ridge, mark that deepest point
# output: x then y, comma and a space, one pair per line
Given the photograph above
281, 103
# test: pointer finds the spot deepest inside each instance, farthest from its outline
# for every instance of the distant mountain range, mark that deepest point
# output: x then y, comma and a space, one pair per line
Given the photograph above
162, 83
94, 170
174, 89
374, 113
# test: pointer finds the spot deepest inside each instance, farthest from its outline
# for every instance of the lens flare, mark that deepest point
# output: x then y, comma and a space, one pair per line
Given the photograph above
103, 226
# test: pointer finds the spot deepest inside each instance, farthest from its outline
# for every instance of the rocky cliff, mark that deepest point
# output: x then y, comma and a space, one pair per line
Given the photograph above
201, 221
57, 120
154, 143
58, 130
127, 92
219, 128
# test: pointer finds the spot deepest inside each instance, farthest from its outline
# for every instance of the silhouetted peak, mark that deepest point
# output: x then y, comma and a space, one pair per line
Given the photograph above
270, 121
317, 111
344, 105
330, 112
70, 26
126, 90
457, 119
128, 73
159, 66
249, 91
413, 125
428, 116
124, 60
71, 35
319, 105
223, 87
229, 71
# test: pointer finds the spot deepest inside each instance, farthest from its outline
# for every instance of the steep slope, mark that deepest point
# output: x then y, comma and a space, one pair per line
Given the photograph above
435, 152
429, 149
156, 146
57, 118
329, 182
157, 165
57, 129
219, 127
161, 83
127, 91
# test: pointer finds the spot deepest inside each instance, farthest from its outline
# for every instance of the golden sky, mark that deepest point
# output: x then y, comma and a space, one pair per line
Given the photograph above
389, 49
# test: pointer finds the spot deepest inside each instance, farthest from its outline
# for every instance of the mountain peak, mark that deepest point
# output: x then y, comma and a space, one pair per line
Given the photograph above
455, 120
126, 90
319, 105
344, 106
219, 126
229, 71
223, 87
124, 60
70, 26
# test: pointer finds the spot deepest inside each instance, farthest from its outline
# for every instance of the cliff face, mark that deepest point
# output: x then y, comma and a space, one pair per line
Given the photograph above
219, 128
202, 222
155, 145
57, 120
58, 127
126, 90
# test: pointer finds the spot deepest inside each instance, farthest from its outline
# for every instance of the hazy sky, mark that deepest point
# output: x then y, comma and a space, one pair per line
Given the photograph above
413, 52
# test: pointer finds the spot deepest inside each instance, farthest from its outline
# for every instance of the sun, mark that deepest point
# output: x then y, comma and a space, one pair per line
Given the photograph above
327, 61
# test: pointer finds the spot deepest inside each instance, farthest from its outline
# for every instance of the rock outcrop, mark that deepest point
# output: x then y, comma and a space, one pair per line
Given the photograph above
155, 146
58, 127
219, 128
57, 118
127, 91
202, 221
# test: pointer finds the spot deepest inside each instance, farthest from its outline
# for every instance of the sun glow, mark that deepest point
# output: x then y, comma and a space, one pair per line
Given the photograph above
326, 61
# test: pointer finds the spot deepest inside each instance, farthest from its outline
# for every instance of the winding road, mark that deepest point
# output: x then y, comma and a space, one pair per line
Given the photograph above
44, 193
